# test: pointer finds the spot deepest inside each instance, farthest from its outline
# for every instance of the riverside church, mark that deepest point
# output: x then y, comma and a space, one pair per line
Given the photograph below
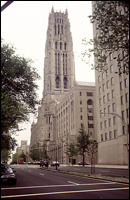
102, 107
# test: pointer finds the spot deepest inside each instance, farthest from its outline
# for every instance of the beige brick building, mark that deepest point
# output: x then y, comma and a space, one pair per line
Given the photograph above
112, 95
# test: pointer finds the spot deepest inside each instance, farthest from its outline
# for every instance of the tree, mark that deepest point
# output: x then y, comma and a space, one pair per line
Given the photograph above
16, 156
18, 89
5, 155
83, 142
37, 153
113, 34
92, 150
71, 151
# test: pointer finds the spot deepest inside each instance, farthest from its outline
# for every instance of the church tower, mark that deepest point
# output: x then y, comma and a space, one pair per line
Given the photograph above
59, 76
59, 68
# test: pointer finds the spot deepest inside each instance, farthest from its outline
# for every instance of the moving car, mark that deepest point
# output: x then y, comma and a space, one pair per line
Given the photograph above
85, 163
54, 163
7, 174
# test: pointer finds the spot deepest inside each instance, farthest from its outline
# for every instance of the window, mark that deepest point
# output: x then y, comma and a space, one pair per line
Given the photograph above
57, 82
101, 137
110, 135
100, 102
81, 117
121, 85
80, 109
80, 102
123, 114
111, 56
65, 46
115, 133
123, 129
113, 93
103, 87
65, 83
105, 136
126, 82
55, 45
127, 112
109, 122
104, 99
90, 126
114, 120
126, 97
107, 83
90, 117
101, 125
112, 81
105, 123
108, 96
121, 100
80, 93
109, 109
113, 107
99, 90
90, 102
89, 93
60, 45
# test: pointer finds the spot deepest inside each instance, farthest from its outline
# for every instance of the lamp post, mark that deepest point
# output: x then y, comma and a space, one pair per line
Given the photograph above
125, 131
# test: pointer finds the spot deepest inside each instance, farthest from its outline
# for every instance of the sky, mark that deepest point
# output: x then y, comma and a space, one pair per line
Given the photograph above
24, 25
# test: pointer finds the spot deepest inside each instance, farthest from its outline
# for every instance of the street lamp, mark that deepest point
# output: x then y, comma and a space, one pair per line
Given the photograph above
125, 130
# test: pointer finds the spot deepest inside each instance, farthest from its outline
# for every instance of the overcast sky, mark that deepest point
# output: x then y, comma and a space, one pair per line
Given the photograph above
24, 24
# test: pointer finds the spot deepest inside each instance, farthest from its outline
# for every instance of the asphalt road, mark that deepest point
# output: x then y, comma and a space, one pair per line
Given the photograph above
33, 183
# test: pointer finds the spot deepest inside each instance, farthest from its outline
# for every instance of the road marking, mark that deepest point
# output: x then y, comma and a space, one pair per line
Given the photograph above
73, 183
30, 187
65, 192
42, 174
29, 170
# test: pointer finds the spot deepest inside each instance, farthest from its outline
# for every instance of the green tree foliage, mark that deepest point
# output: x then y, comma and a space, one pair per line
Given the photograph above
8, 142
16, 156
18, 88
5, 155
71, 150
18, 92
113, 35
37, 153
83, 142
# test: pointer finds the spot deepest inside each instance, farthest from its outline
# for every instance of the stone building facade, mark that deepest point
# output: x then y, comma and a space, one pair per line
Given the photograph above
66, 104
112, 94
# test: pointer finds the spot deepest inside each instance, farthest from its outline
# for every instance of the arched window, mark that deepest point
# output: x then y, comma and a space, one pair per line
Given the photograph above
65, 83
90, 102
57, 82
55, 45
65, 46
60, 45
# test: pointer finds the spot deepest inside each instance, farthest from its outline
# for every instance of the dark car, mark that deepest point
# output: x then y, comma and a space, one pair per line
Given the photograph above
85, 163
7, 174
54, 163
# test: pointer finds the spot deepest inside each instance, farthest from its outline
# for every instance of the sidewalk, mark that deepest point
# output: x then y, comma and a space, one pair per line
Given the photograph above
99, 165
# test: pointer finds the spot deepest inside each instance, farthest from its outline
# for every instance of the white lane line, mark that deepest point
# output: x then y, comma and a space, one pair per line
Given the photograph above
29, 170
43, 186
42, 174
65, 192
73, 183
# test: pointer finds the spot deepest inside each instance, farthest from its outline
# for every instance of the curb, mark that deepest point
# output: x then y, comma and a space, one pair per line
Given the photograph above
96, 176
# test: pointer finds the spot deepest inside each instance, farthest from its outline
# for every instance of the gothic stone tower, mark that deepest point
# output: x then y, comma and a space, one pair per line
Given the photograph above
59, 76
59, 68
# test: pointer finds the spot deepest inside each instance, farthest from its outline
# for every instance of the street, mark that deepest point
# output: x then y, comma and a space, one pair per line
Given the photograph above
34, 183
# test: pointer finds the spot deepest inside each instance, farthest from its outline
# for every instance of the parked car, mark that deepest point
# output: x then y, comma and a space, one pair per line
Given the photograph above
54, 163
85, 163
8, 174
